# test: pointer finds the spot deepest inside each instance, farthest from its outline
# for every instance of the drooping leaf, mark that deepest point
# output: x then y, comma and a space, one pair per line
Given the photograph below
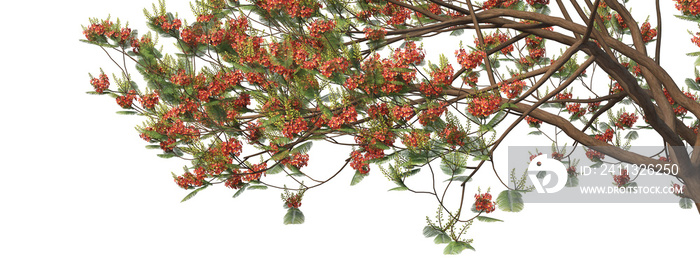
430, 231
510, 201
257, 187
456, 247
488, 219
686, 203
442, 238
293, 216
240, 190
572, 181
632, 135
357, 178
193, 193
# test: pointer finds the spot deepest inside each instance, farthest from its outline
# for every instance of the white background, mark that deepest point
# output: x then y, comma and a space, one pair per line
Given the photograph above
77, 183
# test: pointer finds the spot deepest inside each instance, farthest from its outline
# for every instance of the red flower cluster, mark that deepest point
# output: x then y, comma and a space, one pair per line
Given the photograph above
125, 101
254, 172
359, 162
575, 109
499, 3
397, 14
181, 78
471, 60
349, 115
485, 105
376, 111
297, 160
333, 65
408, 55
688, 7
164, 23
453, 135
254, 131
594, 155
440, 78
354, 81
319, 27
593, 106
402, 113
294, 127
294, 8
293, 201
622, 179
493, 40
415, 139
101, 83
626, 120
234, 181
512, 89
696, 41
188, 180
677, 108
431, 114
149, 101
563, 96
532, 121
375, 34
606, 136
648, 34
620, 21
541, 2
484, 203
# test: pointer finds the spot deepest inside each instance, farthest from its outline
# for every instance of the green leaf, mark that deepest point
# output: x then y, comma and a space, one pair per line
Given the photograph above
442, 238
303, 148
166, 155
572, 181
456, 247
457, 32
632, 135
194, 192
430, 231
510, 201
152, 147
293, 216
488, 219
357, 178
240, 190
257, 187
399, 189
497, 119
535, 133
686, 203
127, 112
692, 84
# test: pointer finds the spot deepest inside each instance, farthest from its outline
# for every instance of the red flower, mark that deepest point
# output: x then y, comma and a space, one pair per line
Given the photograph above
626, 120
415, 139
294, 127
375, 34
149, 101
648, 34
485, 105
606, 136
100, 83
484, 203
534, 122
512, 89
127, 100
471, 60
622, 179
431, 114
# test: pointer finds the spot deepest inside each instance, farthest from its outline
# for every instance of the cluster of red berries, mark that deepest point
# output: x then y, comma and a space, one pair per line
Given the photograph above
294, 127
101, 83
512, 89
533, 156
431, 114
688, 7
234, 181
606, 136
484, 203
484, 105
557, 155
620, 21
149, 101
622, 179
415, 139
471, 60
125, 101
626, 120
349, 115
167, 145
319, 27
532, 121
648, 34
